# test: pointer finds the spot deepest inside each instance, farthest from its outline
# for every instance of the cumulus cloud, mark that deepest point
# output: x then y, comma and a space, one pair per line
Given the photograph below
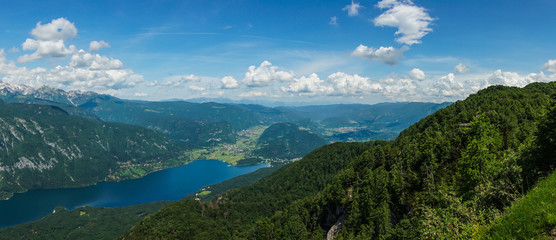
412, 21
461, 68
179, 80
550, 65
388, 55
67, 77
54, 48
57, 29
49, 40
399, 88
94, 61
417, 74
352, 9
229, 82
346, 84
265, 75
97, 45
507, 79
448, 86
310, 85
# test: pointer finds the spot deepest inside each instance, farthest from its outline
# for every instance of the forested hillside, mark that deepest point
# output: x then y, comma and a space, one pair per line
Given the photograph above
448, 176
43, 146
287, 141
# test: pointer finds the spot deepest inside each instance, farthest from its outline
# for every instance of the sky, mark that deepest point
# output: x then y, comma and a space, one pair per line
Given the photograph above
309, 52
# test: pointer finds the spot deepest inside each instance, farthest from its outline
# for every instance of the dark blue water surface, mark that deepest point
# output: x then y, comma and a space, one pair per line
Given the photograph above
170, 184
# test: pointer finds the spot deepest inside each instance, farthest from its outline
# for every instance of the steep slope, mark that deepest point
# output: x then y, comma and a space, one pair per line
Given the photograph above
44, 147
441, 178
532, 217
287, 141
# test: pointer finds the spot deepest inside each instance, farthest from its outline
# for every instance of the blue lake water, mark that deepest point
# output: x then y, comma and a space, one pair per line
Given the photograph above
169, 184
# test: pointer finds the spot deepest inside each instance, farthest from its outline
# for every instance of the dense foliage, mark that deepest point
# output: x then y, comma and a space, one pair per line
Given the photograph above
44, 147
533, 216
441, 178
287, 141
446, 176
83, 223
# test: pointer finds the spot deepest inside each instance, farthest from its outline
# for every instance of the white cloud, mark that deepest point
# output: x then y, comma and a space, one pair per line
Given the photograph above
140, 94
388, 55
265, 75
540, 77
57, 29
49, 40
399, 88
84, 72
412, 21
417, 74
352, 9
550, 65
96, 45
345, 84
507, 79
229, 82
94, 62
196, 88
53, 48
461, 68
311, 85
333, 21
253, 94
179, 80
448, 86
67, 77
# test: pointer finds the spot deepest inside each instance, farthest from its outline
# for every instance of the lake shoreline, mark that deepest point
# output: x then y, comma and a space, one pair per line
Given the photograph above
178, 182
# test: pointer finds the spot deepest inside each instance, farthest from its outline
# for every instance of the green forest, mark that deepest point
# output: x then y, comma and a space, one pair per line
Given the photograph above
479, 168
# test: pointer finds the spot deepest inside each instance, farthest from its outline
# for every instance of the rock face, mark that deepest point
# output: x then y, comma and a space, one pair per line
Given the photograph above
44, 147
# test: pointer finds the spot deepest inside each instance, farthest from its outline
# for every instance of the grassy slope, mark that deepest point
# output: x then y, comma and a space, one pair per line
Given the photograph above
531, 217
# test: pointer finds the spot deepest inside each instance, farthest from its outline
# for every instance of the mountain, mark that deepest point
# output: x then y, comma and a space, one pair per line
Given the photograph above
43, 146
361, 122
287, 141
447, 176
197, 123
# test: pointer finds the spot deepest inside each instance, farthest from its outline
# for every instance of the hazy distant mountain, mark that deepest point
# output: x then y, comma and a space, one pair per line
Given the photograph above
192, 122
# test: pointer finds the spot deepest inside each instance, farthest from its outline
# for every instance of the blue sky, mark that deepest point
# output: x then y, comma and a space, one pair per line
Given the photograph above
290, 51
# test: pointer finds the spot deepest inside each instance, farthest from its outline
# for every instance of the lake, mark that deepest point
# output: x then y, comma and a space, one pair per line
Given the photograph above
170, 184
